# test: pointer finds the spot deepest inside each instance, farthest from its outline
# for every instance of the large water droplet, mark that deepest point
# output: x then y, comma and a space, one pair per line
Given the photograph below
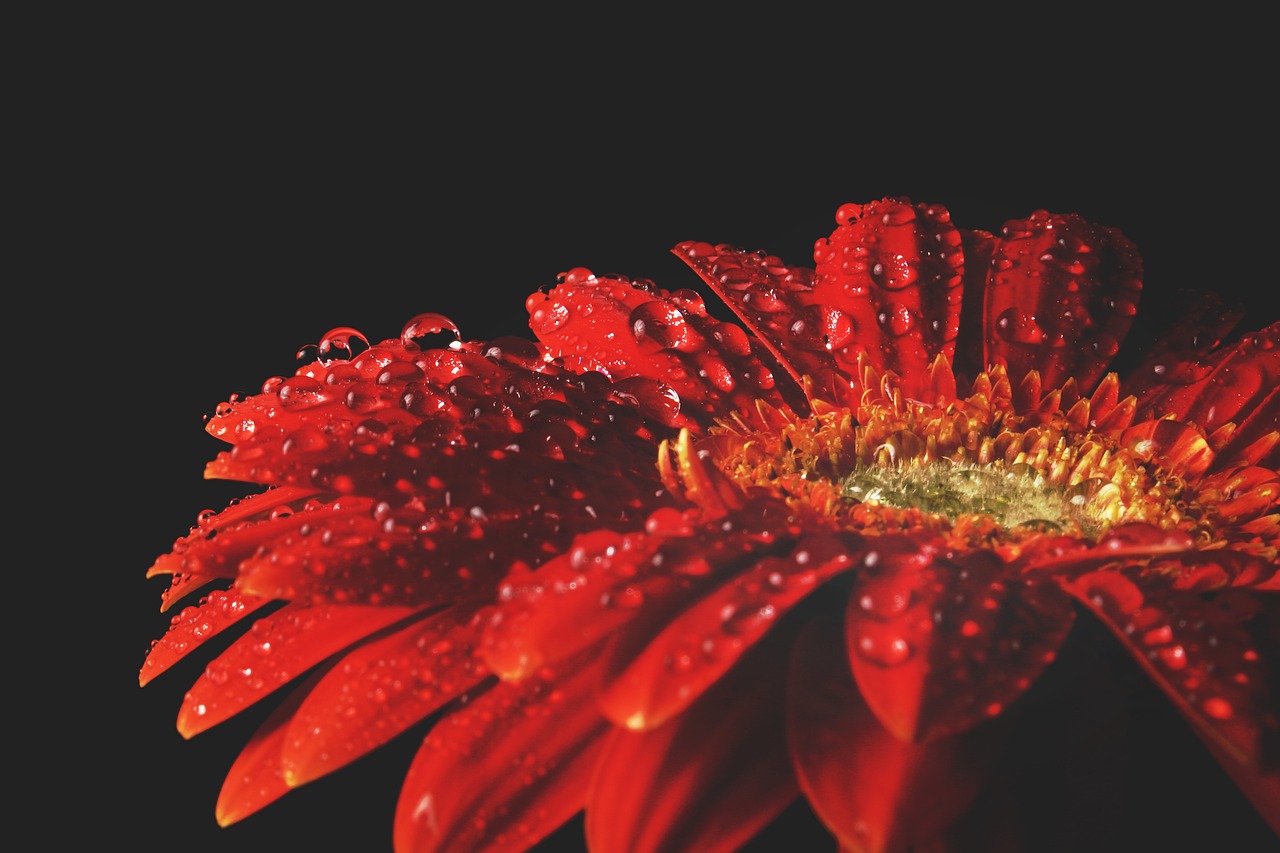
664, 325
577, 276
1019, 327
732, 338
419, 331
897, 320
301, 392
342, 342
654, 399
884, 647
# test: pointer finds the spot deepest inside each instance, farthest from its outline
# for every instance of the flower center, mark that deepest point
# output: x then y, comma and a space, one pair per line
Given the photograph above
972, 470
1013, 497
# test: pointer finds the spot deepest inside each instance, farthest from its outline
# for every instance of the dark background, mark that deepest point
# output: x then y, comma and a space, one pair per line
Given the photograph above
203, 210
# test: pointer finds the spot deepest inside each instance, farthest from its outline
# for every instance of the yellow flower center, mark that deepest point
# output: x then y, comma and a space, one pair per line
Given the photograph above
971, 469
1014, 496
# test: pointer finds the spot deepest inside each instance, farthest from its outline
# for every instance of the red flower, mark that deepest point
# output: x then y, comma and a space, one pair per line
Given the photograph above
680, 572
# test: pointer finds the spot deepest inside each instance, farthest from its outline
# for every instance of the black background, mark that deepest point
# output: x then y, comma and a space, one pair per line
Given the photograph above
206, 207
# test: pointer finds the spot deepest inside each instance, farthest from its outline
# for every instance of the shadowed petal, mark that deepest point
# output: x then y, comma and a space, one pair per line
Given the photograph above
876, 792
1061, 295
707, 780
505, 769
257, 777
1256, 441
648, 679
1227, 385
938, 647
1199, 651
379, 690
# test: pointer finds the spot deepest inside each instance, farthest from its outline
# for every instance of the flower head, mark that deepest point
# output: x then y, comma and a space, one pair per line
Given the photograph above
678, 572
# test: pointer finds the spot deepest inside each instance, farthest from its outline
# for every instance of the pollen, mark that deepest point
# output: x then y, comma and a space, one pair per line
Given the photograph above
975, 468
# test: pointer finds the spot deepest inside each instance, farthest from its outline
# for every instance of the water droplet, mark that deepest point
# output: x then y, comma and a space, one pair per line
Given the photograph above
1019, 327
764, 298
667, 521
577, 276
342, 342
1105, 346
884, 648
691, 301
663, 324
732, 339
847, 214
301, 392
821, 327
897, 320
654, 399
1174, 657
1218, 708
418, 332
627, 598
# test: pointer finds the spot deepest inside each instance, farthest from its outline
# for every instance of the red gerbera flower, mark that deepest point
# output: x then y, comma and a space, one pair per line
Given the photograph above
678, 572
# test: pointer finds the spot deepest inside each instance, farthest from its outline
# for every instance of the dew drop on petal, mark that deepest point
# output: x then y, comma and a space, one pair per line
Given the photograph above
691, 301
883, 601
896, 320
1105, 346
1174, 657
886, 649
418, 331
577, 276
667, 521
664, 325
341, 343
301, 392
547, 316
1218, 708
1019, 327
732, 338
847, 214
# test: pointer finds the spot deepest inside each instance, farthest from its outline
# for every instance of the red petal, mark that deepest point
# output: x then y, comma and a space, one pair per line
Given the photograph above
710, 778
887, 284
1177, 447
648, 679
257, 777
608, 579
1196, 648
1257, 440
892, 272
194, 625
771, 298
1219, 386
1183, 347
504, 770
379, 690
705, 367
875, 791
1061, 295
938, 646
217, 545
388, 422
277, 648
